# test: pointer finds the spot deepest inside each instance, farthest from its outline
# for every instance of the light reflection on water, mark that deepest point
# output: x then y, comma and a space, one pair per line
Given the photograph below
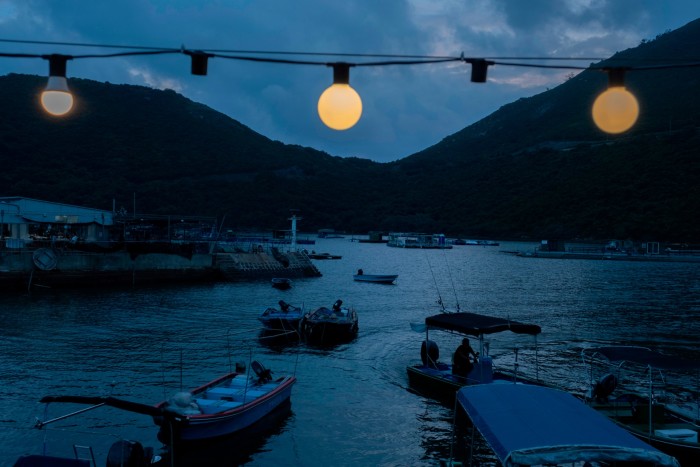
351, 404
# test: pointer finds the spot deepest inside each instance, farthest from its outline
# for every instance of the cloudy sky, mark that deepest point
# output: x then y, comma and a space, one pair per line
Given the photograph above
406, 108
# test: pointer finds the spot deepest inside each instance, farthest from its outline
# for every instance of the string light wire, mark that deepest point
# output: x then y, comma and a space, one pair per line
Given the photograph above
479, 64
400, 59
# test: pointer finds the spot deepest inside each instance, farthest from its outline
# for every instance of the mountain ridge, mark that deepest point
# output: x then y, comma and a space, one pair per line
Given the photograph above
535, 168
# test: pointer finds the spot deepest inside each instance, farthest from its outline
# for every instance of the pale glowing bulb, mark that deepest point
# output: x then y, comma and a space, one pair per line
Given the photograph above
340, 106
56, 98
615, 110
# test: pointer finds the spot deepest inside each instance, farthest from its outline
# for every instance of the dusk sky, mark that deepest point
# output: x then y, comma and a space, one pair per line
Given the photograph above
406, 108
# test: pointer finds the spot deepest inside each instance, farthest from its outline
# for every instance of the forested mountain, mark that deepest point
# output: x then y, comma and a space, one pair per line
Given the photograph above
536, 168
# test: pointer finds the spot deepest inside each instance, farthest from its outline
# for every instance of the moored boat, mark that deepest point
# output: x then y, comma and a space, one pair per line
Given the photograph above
226, 405
286, 318
440, 380
418, 240
459, 241
281, 283
329, 326
528, 425
646, 410
314, 255
376, 278
223, 406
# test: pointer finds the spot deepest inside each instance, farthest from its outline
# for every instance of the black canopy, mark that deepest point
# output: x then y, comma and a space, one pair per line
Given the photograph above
475, 325
644, 356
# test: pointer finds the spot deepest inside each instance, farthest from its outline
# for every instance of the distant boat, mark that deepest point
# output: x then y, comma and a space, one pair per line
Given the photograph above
418, 240
459, 241
314, 255
376, 278
282, 283
329, 233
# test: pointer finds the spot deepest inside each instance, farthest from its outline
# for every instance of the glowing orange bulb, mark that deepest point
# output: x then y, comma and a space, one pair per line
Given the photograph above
340, 107
615, 110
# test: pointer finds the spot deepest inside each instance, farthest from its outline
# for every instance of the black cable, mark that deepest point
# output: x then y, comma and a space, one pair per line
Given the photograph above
400, 59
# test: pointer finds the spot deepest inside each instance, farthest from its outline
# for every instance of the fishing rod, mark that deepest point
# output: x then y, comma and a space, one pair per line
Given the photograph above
449, 272
437, 288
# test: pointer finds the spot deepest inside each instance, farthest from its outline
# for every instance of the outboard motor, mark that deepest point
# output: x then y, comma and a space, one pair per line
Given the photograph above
429, 353
604, 387
126, 453
264, 374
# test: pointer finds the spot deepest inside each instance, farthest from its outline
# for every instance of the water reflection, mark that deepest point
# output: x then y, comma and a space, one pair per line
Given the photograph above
351, 401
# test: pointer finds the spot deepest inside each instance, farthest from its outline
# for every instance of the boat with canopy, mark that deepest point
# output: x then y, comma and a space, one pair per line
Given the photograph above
535, 425
437, 380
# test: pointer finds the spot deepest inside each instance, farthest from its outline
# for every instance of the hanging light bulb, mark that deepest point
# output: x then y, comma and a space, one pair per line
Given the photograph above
340, 106
56, 98
199, 61
616, 109
479, 68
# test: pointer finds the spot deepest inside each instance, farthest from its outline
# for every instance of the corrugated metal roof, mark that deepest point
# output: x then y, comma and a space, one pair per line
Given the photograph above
17, 210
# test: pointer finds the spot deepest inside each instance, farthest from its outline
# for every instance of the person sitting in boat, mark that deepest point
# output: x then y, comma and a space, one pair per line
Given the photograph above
360, 272
284, 306
336, 305
461, 361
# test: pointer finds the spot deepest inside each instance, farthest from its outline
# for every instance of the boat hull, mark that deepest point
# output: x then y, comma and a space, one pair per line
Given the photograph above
326, 326
376, 278
329, 333
273, 319
281, 283
440, 384
280, 324
184, 428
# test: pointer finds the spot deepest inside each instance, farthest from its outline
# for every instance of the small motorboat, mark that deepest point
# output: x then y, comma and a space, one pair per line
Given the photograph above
284, 318
281, 283
436, 379
229, 404
314, 255
376, 278
328, 326
223, 406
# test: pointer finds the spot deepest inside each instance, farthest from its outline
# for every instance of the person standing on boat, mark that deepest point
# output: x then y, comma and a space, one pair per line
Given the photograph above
461, 362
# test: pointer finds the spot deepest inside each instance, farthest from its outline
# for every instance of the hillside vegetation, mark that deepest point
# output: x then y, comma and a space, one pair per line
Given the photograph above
536, 168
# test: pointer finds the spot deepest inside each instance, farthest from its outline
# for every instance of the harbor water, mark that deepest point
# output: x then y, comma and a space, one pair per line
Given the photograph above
351, 404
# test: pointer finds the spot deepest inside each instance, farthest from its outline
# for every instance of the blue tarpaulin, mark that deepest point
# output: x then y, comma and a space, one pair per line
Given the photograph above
530, 425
